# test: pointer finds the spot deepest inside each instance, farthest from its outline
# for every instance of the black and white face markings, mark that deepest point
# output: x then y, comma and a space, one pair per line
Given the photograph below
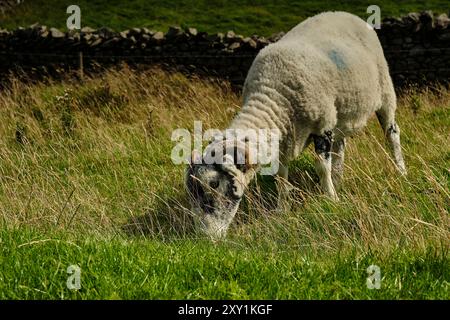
211, 188
214, 198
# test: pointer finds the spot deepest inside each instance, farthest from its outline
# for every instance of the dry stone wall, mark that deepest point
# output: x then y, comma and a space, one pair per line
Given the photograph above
417, 47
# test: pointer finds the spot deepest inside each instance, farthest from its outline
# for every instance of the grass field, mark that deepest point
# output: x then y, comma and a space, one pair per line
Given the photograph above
34, 267
86, 179
246, 17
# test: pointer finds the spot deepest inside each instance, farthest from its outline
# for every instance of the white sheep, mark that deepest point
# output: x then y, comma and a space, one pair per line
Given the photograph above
320, 83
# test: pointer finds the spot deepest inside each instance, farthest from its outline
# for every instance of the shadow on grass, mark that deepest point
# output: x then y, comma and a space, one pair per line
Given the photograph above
169, 219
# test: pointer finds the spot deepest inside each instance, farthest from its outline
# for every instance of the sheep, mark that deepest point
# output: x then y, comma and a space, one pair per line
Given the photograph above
318, 84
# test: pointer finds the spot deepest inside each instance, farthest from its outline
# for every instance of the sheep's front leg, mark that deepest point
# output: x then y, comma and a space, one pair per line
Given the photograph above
283, 188
337, 161
322, 145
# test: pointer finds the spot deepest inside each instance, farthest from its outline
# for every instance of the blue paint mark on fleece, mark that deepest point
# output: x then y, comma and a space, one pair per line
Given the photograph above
337, 59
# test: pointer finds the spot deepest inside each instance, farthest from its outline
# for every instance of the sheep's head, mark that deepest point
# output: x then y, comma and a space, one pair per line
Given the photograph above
216, 182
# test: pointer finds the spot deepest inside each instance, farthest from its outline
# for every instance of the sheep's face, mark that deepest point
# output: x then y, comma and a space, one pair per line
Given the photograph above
212, 197
216, 191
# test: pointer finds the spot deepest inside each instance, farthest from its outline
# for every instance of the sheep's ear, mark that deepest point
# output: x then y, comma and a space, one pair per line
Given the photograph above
196, 157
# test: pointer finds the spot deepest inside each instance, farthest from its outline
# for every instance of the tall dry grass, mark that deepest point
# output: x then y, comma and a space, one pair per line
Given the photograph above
93, 158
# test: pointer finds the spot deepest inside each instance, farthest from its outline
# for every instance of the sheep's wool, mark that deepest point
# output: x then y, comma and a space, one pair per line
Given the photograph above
328, 73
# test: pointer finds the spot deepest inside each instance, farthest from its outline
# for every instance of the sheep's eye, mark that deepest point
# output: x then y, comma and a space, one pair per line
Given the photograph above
214, 184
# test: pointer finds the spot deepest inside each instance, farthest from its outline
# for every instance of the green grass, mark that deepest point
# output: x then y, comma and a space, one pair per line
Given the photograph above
245, 17
35, 267
86, 179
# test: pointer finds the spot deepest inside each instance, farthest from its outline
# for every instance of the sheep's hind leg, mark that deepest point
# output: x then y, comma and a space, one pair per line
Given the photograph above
392, 133
322, 145
337, 161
